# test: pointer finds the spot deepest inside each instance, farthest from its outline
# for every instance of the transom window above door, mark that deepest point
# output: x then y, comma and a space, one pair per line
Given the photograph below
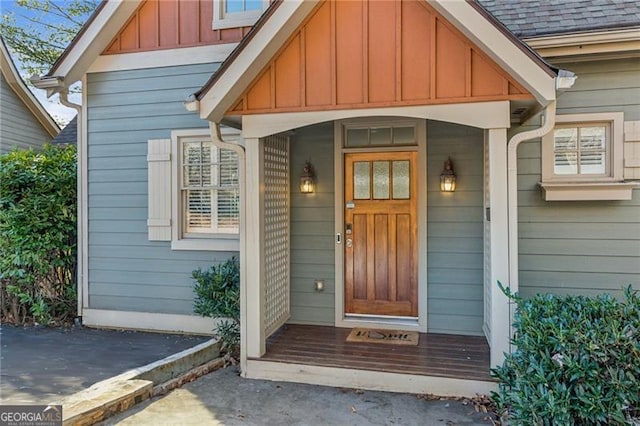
400, 133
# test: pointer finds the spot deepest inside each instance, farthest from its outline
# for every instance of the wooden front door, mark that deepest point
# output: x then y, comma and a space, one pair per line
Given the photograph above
381, 249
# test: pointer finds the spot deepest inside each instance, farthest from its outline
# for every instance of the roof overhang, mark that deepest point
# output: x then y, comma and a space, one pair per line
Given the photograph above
11, 75
85, 48
218, 96
615, 43
251, 57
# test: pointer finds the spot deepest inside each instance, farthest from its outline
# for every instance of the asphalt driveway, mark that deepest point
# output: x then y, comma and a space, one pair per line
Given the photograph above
39, 365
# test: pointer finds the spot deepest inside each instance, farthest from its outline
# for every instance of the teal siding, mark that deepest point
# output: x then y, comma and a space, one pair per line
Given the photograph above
455, 231
19, 128
313, 227
125, 109
581, 247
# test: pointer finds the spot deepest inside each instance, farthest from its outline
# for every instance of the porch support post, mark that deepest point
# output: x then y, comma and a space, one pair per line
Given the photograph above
500, 318
254, 249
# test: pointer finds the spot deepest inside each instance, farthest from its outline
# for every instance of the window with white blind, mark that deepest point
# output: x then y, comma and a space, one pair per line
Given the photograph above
582, 158
205, 193
237, 13
209, 189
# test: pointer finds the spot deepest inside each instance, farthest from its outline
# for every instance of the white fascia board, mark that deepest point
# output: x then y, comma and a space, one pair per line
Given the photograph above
483, 115
502, 50
253, 58
11, 75
95, 39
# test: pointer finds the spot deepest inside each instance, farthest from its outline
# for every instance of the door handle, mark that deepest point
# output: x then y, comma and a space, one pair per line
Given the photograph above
349, 242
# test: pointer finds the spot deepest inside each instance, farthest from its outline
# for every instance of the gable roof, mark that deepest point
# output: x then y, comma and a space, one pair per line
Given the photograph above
270, 33
99, 30
13, 79
68, 135
536, 18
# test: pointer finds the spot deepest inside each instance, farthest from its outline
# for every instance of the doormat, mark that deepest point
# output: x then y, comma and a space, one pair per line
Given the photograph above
391, 337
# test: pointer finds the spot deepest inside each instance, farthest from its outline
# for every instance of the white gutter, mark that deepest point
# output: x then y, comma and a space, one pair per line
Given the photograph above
238, 148
82, 268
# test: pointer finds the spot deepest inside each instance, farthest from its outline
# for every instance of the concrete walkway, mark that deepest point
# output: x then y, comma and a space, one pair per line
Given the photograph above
39, 365
224, 398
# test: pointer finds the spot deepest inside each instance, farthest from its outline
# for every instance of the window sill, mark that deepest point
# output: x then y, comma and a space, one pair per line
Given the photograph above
207, 244
587, 191
245, 20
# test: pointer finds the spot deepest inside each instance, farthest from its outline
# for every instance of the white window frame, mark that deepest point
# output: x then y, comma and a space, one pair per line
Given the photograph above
222, 20
180, 240
607, 186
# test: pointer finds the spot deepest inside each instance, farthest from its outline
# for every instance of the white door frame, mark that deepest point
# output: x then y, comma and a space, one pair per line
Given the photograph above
402, 323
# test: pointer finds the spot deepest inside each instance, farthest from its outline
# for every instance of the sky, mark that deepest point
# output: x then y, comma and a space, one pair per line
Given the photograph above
52, 105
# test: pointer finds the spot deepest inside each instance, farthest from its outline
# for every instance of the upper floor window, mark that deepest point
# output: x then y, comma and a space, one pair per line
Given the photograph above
237, 13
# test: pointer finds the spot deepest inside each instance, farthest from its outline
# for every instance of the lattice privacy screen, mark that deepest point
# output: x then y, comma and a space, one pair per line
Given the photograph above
276, 232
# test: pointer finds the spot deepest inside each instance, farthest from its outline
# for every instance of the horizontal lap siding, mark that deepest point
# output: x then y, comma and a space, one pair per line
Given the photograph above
455, 231
125, 109
18, 126
312, 227
581, 247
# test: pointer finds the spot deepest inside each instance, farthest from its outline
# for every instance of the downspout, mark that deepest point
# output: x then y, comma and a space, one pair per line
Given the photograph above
238, 148
565, 80
548, 122
81, 271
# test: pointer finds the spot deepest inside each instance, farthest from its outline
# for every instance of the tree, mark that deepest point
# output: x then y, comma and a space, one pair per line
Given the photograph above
38, 31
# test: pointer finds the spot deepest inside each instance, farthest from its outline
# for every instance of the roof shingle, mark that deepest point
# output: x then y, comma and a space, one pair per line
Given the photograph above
531, 18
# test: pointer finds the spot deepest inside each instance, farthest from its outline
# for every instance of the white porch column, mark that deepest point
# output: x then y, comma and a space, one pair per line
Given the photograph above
254, 250
500, 319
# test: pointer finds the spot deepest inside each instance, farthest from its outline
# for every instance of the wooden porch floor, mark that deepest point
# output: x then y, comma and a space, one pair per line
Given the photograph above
443, 355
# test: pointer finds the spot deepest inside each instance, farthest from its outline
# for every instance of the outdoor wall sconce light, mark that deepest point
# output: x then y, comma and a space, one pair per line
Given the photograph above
307, 185
448, 177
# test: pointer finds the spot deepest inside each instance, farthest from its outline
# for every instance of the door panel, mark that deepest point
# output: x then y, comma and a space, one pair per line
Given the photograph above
381, 234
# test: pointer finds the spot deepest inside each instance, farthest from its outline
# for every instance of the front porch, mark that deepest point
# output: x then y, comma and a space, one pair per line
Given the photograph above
441, 363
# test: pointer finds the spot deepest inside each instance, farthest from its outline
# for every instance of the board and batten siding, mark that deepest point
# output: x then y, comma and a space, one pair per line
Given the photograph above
19, 128
312, 227
455, 227
127, 272
581, 247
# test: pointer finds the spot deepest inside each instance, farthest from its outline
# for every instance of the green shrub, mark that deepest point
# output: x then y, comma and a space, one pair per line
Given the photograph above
218, 296
38, 235
577, 361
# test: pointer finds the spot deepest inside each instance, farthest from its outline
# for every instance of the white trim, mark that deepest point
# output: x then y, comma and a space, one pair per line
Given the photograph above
211, 242
95, 38
83, 217
365, 379
593, 43
500, 316
253, 58
254, 249
582, 191
162, 58
498, 47
483, 115
15, 82
134, 320
233, 20
342, 320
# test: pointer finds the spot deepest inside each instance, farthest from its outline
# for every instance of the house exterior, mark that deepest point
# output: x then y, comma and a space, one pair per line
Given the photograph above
24, 123
197, 121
